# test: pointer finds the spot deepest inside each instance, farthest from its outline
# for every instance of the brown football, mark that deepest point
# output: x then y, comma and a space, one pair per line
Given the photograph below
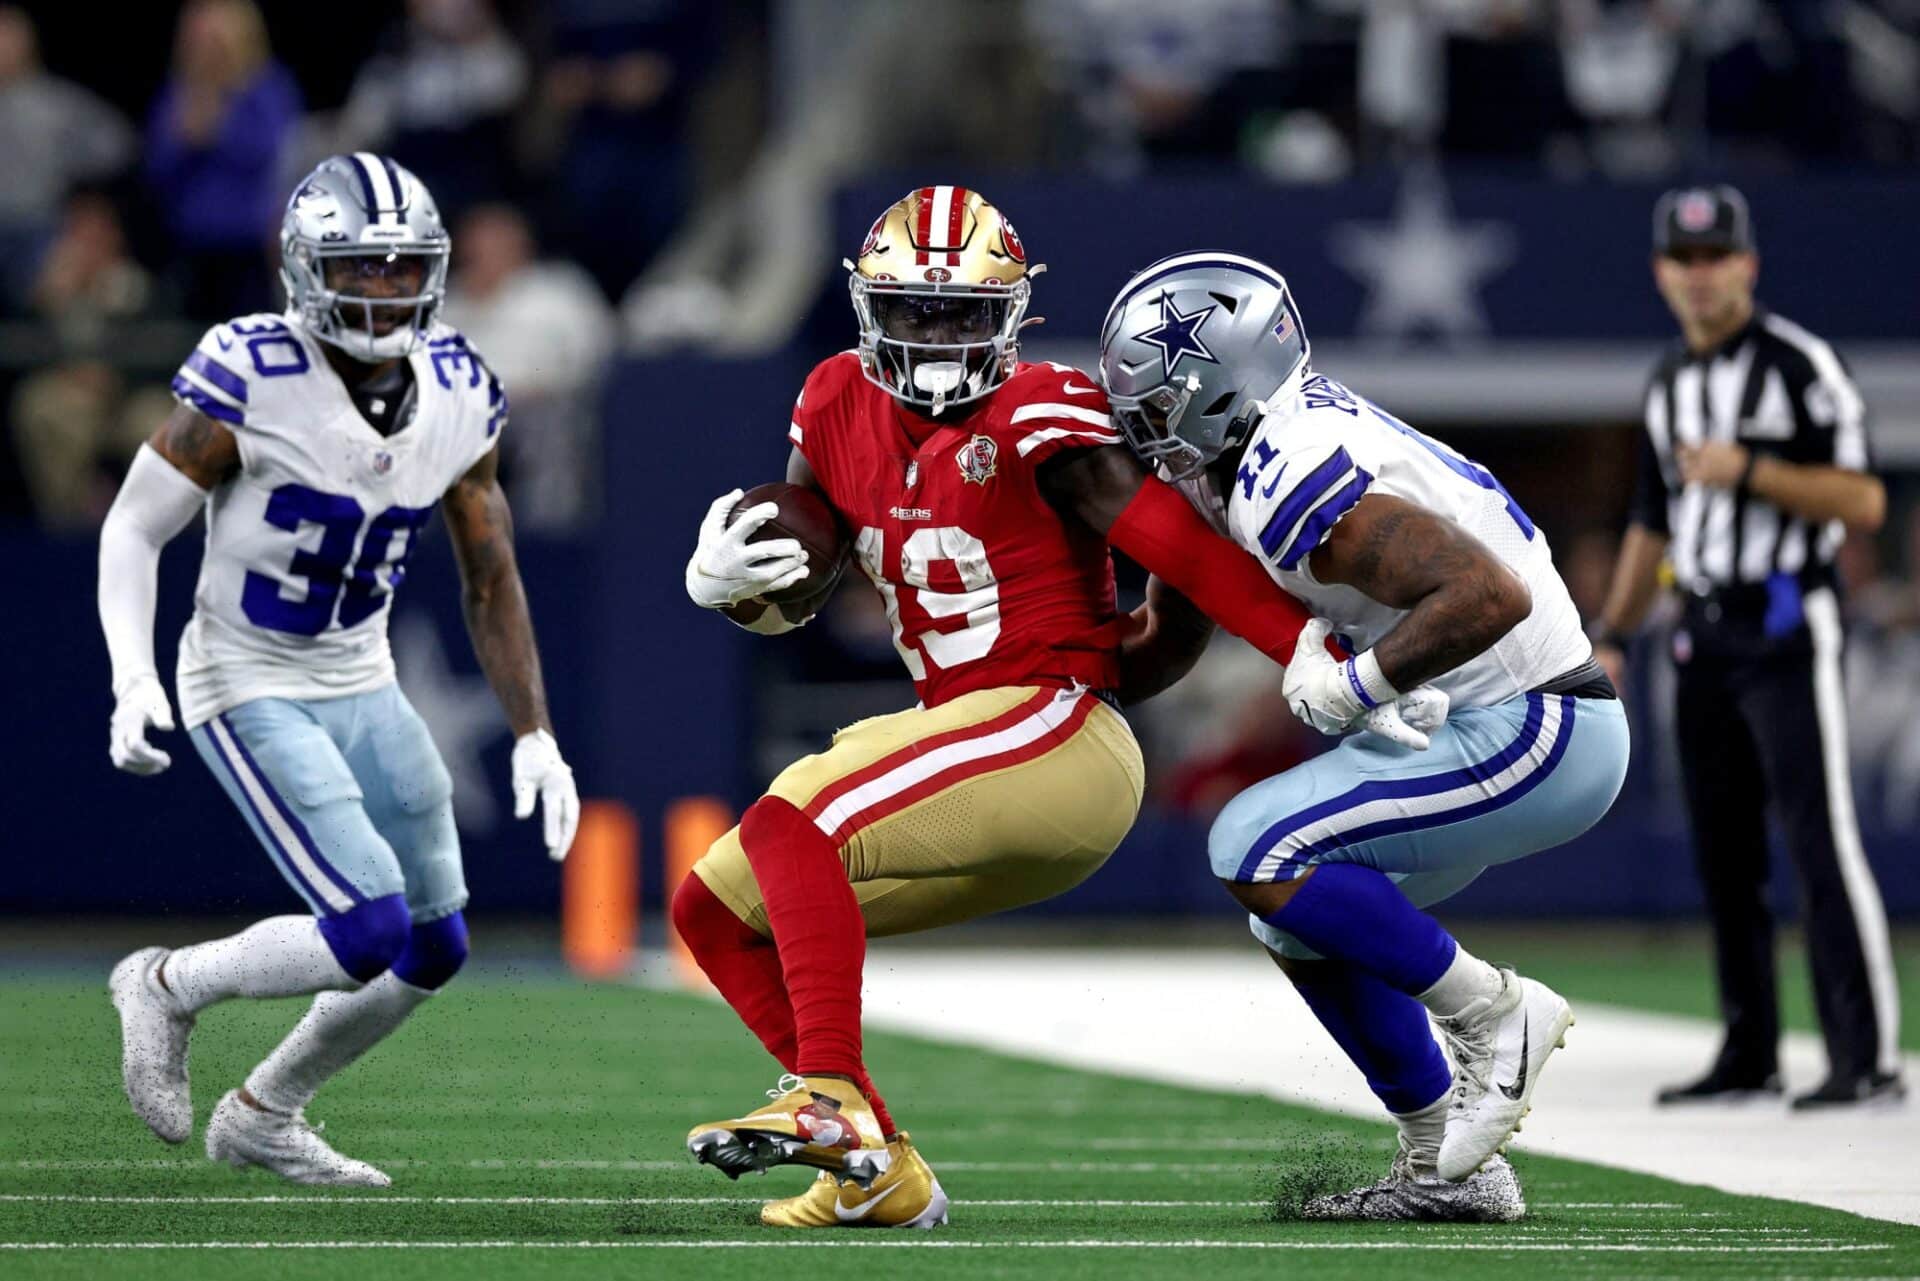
806, 518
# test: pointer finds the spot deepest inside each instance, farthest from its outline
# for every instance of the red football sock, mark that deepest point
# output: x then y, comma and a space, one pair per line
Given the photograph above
818, 929
879, 1105
743, 965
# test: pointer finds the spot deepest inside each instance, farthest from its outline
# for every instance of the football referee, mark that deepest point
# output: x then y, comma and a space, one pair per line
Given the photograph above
1753, 468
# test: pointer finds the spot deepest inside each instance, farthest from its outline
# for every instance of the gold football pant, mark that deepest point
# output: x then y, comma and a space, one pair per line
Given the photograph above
999, 798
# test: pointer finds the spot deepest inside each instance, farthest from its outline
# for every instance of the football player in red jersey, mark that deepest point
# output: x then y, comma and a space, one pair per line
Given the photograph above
983, 495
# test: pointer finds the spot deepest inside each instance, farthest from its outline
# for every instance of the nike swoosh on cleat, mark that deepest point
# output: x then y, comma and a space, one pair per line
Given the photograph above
1519, 1085
845, 1215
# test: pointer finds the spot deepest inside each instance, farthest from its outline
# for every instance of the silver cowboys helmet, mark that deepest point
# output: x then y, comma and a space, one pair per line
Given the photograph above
354, 221
1192, 350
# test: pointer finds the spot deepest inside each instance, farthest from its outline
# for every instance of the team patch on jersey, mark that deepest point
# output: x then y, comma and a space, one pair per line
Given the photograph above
978, 460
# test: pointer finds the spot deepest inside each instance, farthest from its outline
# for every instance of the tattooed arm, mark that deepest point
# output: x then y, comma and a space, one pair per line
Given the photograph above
1459, 597
199, 448
492, 597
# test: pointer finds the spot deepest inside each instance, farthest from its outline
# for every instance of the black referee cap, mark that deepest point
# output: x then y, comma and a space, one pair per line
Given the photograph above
1702, 218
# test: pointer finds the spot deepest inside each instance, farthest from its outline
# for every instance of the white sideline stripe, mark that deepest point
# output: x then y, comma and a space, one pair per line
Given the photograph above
1856, 877
1556, 1247
921, 768
1102, 1203
276, 822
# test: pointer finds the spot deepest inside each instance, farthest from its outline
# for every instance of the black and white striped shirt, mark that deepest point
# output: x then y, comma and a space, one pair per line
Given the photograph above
1779, 391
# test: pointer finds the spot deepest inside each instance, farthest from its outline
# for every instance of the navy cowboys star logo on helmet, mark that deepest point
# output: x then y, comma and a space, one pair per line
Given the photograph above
978, 459
1178, 334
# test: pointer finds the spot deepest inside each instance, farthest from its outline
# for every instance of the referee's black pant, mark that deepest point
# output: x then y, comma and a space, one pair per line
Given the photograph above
1759, 728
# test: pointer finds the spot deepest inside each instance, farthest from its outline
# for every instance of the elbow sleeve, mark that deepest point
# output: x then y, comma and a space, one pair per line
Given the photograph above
1168, 538
154, 503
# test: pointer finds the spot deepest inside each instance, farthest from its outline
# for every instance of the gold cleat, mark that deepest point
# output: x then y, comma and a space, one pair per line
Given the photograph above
823, 1122
906, 1196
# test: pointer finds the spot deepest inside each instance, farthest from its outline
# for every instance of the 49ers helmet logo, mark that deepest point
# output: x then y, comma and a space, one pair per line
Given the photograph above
1010, 240
938, 275
872, 241
978, 459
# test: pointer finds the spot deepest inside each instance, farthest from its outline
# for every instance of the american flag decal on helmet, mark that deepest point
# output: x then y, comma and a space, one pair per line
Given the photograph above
1284, 330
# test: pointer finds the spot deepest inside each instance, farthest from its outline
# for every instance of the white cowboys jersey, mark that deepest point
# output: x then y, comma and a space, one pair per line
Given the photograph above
1317, 452
308, 541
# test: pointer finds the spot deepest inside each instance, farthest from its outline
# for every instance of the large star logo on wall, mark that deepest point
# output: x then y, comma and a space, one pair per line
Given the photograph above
1424, 270
1178, 334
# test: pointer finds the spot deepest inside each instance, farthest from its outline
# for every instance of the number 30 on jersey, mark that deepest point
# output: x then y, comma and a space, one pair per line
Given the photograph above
941, 575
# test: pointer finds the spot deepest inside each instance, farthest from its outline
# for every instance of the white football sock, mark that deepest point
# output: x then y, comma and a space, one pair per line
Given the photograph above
1424, 1130
280, 956
1467, 980
339, 1028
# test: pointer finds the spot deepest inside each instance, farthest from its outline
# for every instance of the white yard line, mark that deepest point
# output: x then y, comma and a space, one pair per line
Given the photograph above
1227, 1021
947, 1243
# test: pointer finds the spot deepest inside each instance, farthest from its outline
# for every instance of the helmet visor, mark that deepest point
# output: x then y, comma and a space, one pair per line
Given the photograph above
382, 292
1151, 424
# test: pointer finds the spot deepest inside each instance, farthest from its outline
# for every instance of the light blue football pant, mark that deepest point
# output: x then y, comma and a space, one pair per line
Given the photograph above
1498, 783
348, 795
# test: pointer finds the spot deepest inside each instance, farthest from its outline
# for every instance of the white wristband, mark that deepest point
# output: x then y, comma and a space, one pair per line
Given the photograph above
1368, 683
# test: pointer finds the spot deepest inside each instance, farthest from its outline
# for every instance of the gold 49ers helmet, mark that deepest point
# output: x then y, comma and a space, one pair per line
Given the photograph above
940, 288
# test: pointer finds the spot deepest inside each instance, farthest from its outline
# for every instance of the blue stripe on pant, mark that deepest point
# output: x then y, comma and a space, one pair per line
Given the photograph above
1498, 783
348, 795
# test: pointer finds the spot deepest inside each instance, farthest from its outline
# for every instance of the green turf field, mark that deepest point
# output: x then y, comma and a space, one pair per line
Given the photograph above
533, 1128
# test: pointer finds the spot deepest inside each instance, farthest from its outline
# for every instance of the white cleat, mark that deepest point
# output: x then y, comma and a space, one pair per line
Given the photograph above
241, 1136
153, 1045
1499, 1047
1414, 1193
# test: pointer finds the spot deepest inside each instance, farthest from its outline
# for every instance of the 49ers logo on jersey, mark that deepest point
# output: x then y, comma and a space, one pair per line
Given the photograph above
978, 459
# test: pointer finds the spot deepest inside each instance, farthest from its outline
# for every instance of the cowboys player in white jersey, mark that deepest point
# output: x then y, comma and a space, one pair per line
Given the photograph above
1425, 572
317, 444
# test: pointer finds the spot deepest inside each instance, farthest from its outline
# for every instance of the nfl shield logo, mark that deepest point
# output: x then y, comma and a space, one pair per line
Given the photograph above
913, 473
977, 458
382, 462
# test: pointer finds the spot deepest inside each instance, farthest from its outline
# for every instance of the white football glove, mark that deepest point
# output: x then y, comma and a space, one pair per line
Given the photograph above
727, 569
141, 704
539, 772
1411, 719
1330, 695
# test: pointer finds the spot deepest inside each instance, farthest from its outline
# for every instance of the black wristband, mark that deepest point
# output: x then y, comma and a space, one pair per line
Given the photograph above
1604, 635
1746, 473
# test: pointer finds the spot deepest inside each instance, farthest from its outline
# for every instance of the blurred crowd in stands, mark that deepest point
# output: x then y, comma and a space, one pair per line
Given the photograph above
567, 141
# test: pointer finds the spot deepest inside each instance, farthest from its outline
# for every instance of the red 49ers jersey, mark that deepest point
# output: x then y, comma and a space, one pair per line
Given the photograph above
985, 583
